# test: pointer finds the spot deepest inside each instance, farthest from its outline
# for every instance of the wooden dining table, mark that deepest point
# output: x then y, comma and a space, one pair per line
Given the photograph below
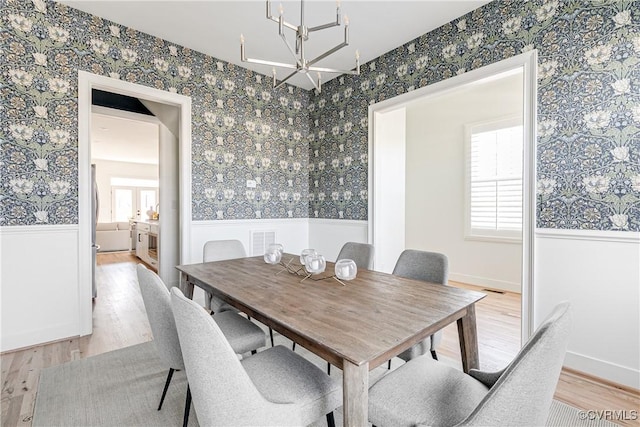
355, 325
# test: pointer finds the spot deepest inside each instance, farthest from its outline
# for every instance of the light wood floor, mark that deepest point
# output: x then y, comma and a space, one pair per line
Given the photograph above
120, 321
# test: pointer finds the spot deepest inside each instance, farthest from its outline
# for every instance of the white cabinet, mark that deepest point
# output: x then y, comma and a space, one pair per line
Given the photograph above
147, 243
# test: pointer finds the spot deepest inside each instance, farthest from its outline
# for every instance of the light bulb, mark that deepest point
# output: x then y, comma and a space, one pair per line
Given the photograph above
357, 54
281, 9
346, 20
241, 38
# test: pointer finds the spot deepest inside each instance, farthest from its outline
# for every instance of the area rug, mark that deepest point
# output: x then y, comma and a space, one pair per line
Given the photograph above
123, 387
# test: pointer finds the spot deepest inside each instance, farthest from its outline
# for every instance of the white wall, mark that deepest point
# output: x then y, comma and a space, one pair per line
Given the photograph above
598, 272
39, 282
169, 237
435, 181
327, 236
106, 169
389, 167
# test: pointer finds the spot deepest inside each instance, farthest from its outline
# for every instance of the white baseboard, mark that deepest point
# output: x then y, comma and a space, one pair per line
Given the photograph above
603, 369
486, 282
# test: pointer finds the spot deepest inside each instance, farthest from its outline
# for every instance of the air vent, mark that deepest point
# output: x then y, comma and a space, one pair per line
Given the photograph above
260, 241
493, 291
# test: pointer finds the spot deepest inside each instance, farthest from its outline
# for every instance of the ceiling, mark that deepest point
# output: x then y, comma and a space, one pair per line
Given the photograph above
214, 27
123, 140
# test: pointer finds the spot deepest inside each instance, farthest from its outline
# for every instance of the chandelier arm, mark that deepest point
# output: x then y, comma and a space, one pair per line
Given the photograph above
327, 53
315, 86
324, 26
272, 63
276, 20
285, 79
290, 26
334, 70
295, 57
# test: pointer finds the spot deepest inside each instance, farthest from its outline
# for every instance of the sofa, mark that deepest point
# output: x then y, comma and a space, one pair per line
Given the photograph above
113, 236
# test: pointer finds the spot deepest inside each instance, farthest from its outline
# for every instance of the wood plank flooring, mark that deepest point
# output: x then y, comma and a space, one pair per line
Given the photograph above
120, 321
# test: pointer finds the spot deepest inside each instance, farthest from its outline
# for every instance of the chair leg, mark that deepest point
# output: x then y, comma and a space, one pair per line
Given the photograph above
293, 347
166, 387
328, 368
434, 355
187, 408
330, 421
271, 336
389, 364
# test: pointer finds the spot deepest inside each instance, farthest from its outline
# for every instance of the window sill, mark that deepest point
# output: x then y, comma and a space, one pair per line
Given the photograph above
494, 239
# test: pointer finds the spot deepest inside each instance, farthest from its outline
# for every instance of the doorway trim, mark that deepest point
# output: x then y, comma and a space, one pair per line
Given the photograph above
87, 82
528, 62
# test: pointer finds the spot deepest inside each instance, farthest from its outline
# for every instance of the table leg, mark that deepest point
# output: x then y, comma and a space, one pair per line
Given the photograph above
185, 286
468, 336
355, 386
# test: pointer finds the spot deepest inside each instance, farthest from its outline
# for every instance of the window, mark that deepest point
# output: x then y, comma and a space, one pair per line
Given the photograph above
132, 198
494, 180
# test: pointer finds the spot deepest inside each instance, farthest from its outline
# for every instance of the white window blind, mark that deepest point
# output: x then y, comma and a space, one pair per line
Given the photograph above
495, 180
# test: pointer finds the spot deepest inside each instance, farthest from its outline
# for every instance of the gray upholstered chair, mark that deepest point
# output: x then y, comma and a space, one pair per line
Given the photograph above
221, 250
429, 267
274, 387
361, 253
425, 392
242, 335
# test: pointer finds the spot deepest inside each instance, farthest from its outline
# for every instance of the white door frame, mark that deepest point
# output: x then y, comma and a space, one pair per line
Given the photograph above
87, 82
528, 62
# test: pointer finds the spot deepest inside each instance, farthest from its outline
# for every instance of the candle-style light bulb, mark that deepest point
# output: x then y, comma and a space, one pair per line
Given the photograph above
357, 55
346, 20
281, 9
338, 4
273, 71
241, 38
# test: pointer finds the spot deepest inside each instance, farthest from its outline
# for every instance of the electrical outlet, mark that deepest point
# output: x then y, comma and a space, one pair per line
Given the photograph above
251, 183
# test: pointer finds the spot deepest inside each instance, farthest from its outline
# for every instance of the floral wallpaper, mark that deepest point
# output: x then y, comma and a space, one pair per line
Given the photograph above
307, 152
241, 128
588, 145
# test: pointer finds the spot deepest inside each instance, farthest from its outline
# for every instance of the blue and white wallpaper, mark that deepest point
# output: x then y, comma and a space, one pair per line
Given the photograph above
242, 129
588, 144
307, 152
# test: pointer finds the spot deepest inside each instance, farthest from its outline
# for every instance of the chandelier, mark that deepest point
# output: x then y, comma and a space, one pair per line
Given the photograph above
302, 64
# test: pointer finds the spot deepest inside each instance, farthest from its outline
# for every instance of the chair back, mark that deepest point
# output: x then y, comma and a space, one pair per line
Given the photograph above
222, 392
220, 250
523, 394
361, 253
157, 303
421, 265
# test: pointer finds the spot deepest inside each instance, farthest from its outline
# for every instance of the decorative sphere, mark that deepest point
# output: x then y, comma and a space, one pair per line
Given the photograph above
315, 263
273, 255
305, 253
346, 269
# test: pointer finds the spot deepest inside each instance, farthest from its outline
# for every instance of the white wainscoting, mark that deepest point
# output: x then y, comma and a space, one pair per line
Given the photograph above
293, 234
598, 272
328, 235
39, 284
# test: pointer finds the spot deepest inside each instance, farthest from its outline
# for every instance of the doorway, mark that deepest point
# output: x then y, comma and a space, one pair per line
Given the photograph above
175, 204
389, 231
